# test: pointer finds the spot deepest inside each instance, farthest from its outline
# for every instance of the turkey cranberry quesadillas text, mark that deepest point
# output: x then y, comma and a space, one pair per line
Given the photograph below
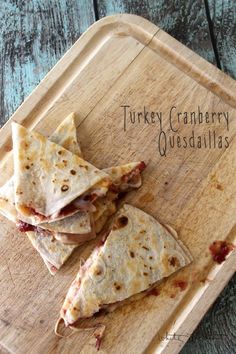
137, 253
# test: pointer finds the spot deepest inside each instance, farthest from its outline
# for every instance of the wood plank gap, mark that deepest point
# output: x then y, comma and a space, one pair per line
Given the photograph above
95, 8
212, 35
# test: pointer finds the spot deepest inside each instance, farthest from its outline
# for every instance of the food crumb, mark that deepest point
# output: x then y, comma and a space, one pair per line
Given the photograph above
220, 249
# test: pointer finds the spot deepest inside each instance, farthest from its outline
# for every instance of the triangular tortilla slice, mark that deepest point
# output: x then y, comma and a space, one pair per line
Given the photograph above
137, 254
126, 177
66, 135
48, 177
53, 252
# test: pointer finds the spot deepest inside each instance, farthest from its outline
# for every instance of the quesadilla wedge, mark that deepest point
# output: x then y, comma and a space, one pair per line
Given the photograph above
66, 135
126, 177
53, 252
57, 180
137, 253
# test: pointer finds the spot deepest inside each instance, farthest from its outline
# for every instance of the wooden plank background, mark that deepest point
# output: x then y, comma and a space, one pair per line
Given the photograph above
36, 33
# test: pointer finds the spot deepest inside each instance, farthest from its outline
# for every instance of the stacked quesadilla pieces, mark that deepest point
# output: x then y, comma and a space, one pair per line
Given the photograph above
62, 201
55, 196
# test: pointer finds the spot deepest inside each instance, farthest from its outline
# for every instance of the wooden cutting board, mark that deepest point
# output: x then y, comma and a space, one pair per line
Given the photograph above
124, 60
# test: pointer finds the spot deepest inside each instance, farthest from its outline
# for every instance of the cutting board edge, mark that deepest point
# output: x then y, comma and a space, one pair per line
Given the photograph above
203, 295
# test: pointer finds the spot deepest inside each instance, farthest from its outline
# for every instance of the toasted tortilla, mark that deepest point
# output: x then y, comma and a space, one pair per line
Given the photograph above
126, 177
52, 251
137, 253
105, 208
66, 136
78, 223
48, 177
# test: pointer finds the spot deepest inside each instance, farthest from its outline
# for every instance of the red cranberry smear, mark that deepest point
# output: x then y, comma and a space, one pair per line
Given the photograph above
142, 166
34, 212
24, 226
220, 249
154, 292
182, 284
68, 209
135, 172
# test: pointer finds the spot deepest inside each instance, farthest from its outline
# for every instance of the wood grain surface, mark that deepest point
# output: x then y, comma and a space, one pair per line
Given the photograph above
35, 34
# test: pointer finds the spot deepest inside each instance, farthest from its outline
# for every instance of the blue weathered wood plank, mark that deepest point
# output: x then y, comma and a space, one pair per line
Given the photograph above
223, 17
34, 35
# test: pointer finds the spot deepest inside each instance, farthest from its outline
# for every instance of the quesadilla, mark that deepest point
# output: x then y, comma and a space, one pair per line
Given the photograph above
137, 253
66, 135
126, 177
53, 252
57, 180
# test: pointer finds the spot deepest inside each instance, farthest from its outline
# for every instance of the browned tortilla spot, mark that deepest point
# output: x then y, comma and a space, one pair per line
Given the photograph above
27, 167
117, 286
122, 221
64, 188
174, 262
73, 172
132, 254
